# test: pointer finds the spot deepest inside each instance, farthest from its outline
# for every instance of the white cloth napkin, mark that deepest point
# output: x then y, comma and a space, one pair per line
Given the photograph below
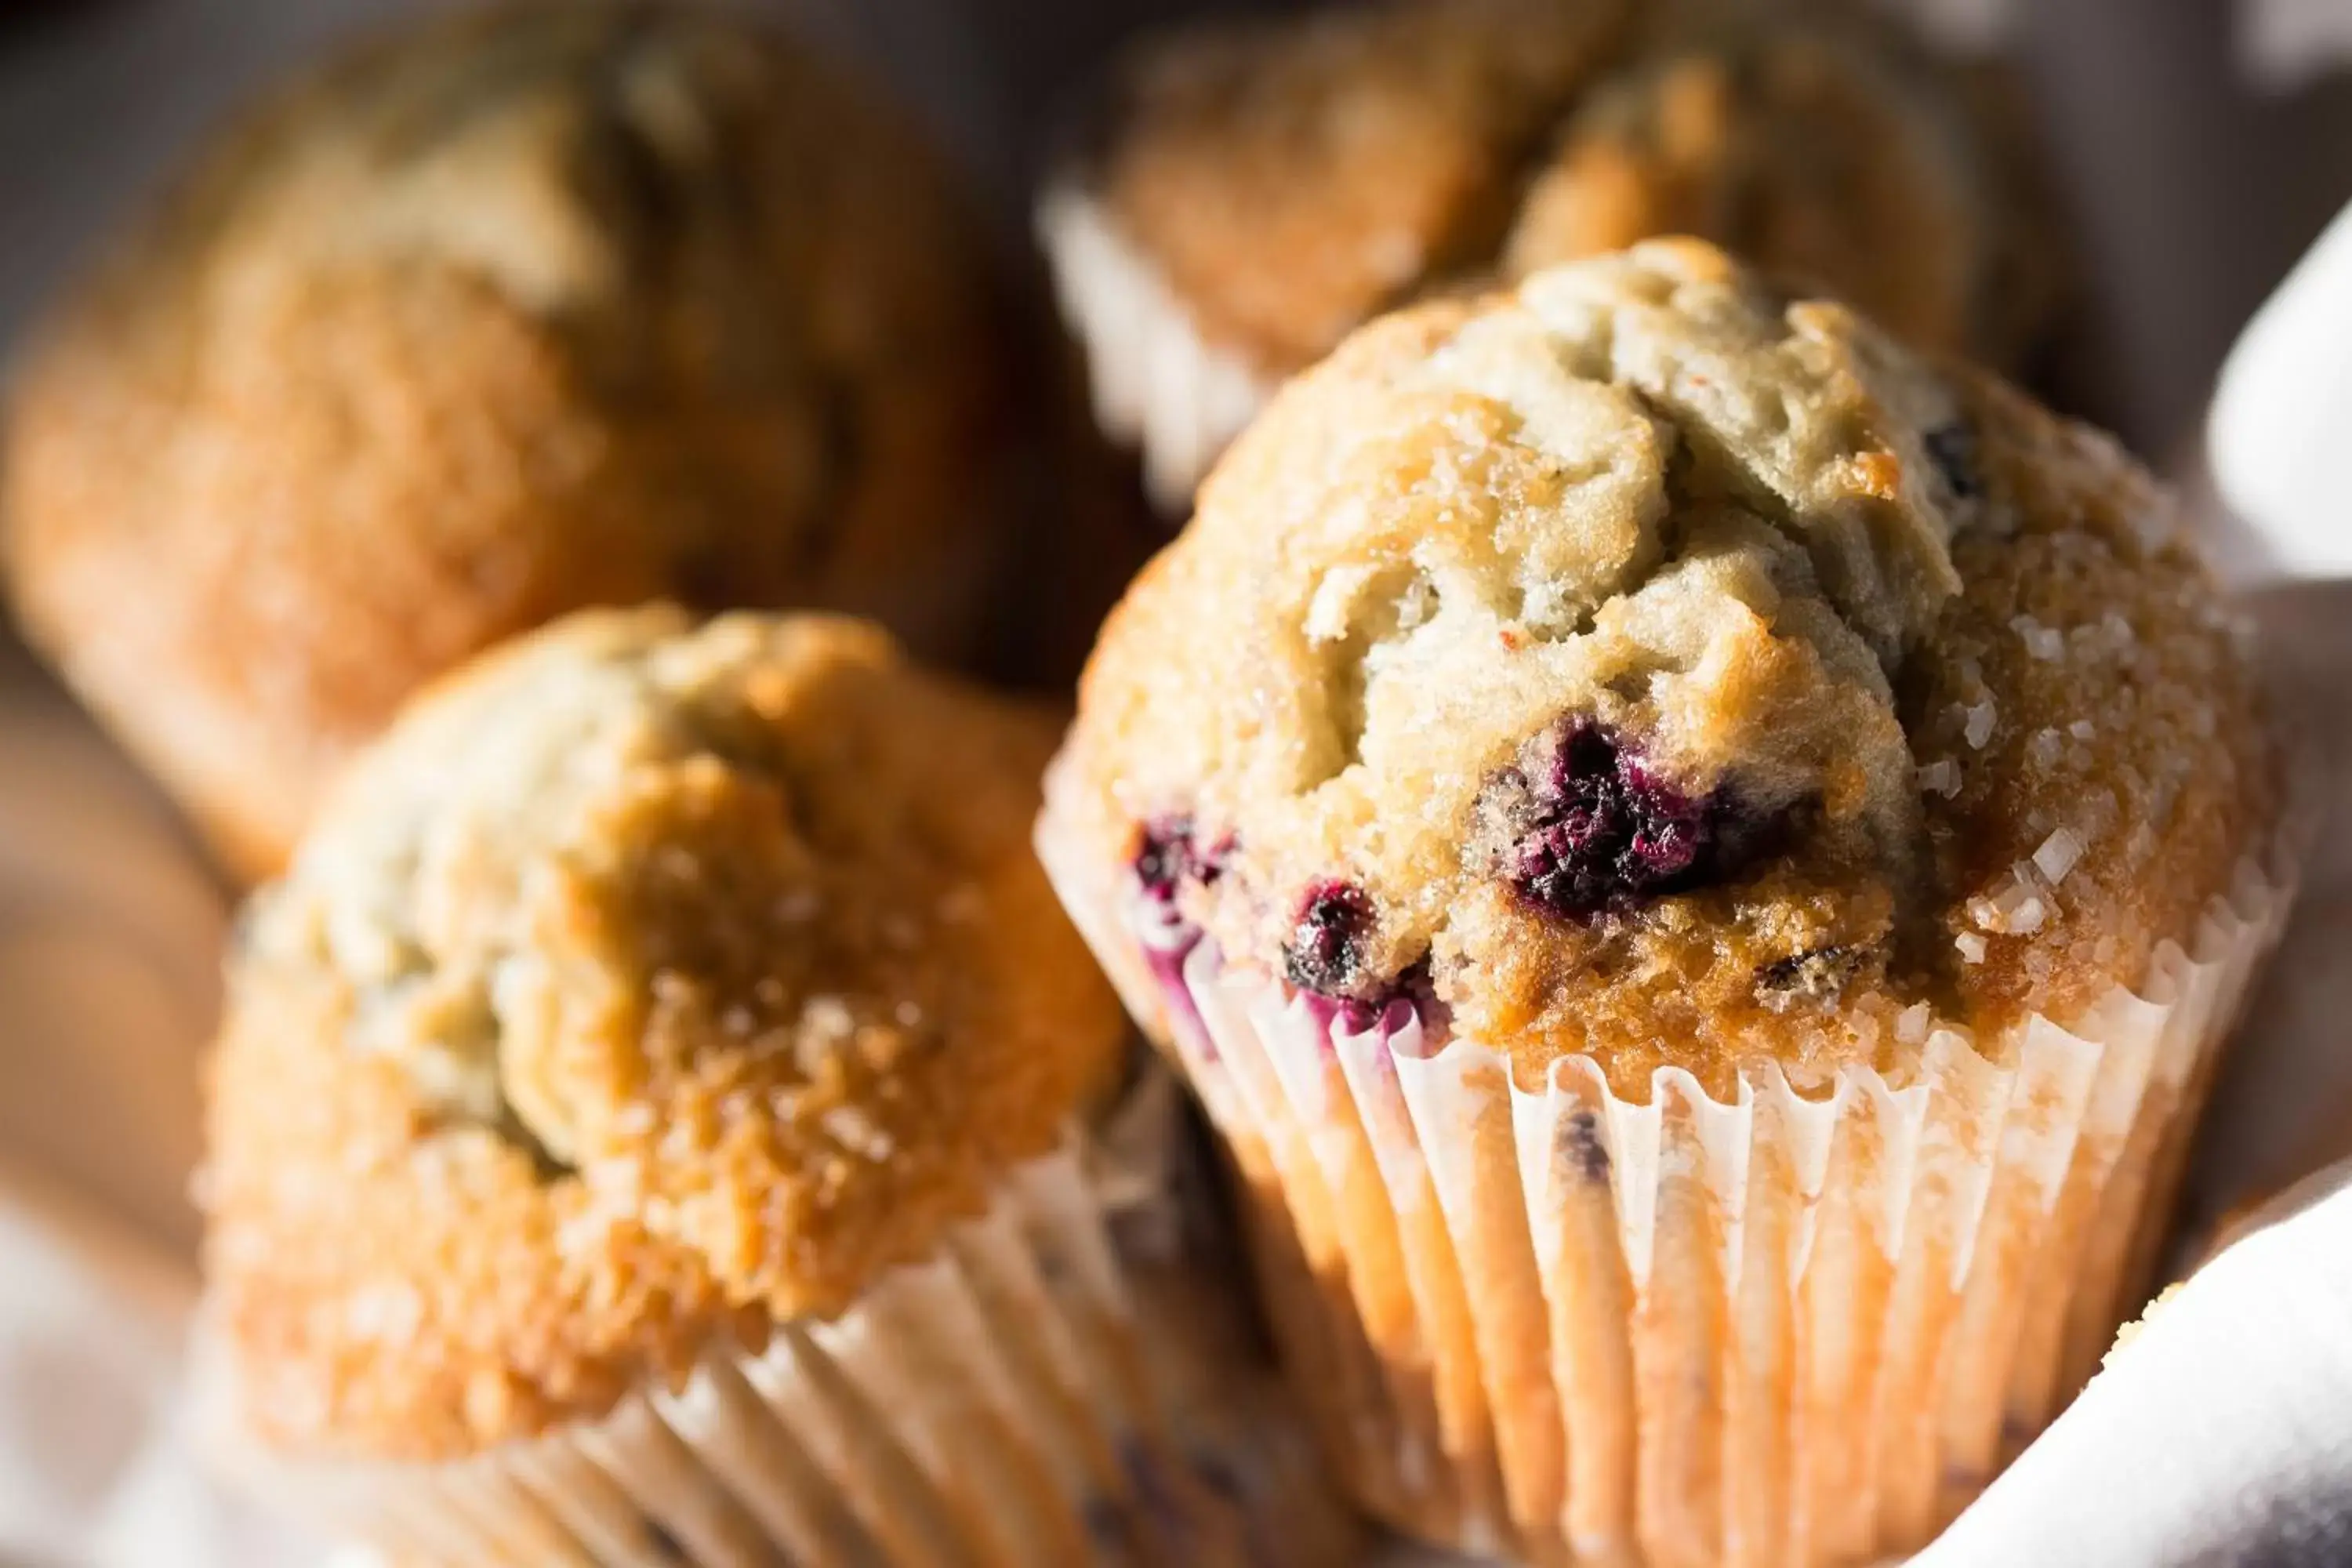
2221, 1432
2280, 417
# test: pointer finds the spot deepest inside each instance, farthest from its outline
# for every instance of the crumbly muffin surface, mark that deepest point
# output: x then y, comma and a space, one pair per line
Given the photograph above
642, 985
1289, 181
511, 311
1645, 663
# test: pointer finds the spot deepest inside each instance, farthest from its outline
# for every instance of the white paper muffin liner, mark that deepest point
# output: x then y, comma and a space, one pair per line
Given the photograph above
1037, 1392
1792, 1328
1157, 383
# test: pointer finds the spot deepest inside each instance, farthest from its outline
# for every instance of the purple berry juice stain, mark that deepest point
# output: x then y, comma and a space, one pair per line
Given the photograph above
1604, 830
1168, 854
1324, 953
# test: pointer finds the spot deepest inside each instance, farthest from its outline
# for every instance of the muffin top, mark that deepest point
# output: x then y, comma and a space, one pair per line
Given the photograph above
1838, 154
642, 983
1288, 180
507, 312
1291, 178
1648, 664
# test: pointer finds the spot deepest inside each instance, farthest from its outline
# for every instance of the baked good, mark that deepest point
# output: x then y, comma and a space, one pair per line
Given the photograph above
1699, 860
505, 312
653, 1121
1245, 195
1835, 152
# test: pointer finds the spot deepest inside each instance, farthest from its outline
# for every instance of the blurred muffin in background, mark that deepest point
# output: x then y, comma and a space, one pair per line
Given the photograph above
1245, 196
662, 1116
1826, 149
511, 311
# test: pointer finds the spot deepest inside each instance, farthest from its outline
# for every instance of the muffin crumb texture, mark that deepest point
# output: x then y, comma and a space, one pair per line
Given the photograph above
644, 985
1647, 663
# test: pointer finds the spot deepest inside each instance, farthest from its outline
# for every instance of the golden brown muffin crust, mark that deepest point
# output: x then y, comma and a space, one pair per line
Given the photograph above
508, 312
1288, 180
1648, 664
641, 985
1828, 155
1291, 179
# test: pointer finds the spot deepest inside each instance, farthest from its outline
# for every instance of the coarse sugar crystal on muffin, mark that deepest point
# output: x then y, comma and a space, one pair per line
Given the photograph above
502, 313
1245, 196
1646, 731
654, 1100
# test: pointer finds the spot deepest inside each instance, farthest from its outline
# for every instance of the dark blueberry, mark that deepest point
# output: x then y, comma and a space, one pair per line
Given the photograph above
1325, 950
1106, 1522
1953, 449
1160, 857
1813, 973
1602, 828
1580, 1145
662, 1543
1218, 1474
1154, 1488
1418, 986
1168, 855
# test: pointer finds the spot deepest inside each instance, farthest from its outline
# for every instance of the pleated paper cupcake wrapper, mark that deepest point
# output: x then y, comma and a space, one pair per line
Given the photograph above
1157, 383
1786, 1329
1001, 1404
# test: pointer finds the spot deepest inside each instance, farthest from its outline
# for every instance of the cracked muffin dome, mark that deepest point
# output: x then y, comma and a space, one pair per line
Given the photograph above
1246, 196
642, 986
505, 313
1647, 664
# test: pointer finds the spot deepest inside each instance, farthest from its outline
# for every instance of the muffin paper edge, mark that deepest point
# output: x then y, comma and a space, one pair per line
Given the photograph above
1875, 1296
1000, 1402
1154, 381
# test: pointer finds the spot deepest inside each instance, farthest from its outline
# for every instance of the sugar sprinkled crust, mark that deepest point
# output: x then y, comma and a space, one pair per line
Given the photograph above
1646, 663
507, 312
642, 985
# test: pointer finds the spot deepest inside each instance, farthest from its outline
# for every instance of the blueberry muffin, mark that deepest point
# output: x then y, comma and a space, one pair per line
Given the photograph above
651, 1124
1699, 860
504, 313
1839, 154
1243, 197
